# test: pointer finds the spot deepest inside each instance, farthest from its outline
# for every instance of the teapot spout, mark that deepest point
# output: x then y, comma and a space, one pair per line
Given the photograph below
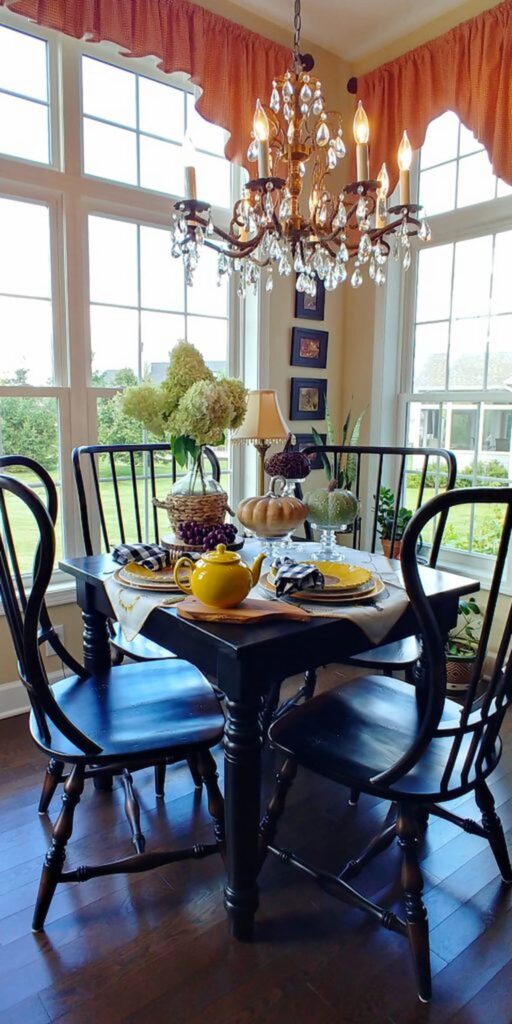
256, 568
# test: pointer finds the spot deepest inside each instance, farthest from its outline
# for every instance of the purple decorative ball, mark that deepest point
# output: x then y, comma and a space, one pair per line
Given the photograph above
290, 464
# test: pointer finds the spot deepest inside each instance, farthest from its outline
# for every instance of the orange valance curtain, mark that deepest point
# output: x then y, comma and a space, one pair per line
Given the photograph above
232, 65
468, 70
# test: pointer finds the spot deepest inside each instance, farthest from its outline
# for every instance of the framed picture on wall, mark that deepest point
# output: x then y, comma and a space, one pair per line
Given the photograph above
307, 400
310, 307
304, 441
309, 348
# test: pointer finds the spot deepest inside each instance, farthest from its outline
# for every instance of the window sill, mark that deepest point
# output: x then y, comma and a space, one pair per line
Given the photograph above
57, 594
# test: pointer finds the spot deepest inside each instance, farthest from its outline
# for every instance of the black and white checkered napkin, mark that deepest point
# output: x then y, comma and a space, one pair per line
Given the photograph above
151, 556
290, 575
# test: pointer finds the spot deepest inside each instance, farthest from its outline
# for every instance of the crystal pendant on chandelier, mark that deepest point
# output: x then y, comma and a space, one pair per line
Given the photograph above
294, 216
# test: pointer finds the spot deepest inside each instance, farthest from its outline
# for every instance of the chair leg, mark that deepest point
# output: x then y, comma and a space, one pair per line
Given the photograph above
52, 778
276, 805
353, 799
492, 825
415, 910
193, 763
160, 780
132, 811
54, 860
309, 683
208, 774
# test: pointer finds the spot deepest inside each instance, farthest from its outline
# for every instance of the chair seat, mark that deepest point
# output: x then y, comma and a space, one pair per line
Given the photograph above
398, 655
139, 649
358, 730
131, 710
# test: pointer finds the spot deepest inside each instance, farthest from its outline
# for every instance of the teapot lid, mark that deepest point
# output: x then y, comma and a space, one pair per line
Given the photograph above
220, 556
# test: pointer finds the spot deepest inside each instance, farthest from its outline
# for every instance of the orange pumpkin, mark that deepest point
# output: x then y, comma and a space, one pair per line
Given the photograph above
272, 515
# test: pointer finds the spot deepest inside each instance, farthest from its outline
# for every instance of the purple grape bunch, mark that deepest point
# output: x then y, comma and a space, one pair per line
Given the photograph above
207, 537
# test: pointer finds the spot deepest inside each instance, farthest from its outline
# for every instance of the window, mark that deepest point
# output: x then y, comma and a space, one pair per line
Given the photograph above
90, 298
24, 96
458, 327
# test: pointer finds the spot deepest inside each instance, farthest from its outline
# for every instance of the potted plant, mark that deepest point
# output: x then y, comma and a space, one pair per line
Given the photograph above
191, 408
461, 646
386, 512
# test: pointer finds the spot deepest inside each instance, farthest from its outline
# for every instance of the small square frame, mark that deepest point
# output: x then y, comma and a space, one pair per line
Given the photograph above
308, 308
305, 441
311, 336
301, 384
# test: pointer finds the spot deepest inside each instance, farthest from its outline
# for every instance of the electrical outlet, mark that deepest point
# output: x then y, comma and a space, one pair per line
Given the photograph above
48, 649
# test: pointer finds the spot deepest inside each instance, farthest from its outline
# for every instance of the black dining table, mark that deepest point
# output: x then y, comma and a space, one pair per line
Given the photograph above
248, 662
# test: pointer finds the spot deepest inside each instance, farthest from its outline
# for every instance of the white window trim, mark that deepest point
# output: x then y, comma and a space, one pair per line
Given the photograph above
392, 364
71, 197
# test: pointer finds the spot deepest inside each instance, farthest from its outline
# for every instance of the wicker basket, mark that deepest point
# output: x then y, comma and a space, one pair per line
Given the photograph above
208, 509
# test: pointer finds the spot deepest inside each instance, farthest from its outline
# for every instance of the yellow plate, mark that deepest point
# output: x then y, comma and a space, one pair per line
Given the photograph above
338, 575
133, 575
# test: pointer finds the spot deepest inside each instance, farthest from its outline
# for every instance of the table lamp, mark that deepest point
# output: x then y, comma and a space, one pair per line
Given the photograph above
263, 424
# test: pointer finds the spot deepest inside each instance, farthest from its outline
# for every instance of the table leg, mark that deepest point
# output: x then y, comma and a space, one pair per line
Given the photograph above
242, 746
96, 647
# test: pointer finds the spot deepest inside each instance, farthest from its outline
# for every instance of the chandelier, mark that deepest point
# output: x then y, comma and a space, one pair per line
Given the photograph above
297, 142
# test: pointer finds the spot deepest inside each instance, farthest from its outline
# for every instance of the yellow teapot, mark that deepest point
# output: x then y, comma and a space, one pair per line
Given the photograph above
220, 578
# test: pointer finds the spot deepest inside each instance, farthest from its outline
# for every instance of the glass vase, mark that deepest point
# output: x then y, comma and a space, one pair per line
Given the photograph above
331, 511
196, 481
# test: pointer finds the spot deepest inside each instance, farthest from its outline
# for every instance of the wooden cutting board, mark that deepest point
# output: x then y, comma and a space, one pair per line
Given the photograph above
251, 610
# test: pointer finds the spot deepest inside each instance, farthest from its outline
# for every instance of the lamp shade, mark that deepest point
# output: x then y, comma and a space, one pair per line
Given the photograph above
263, 421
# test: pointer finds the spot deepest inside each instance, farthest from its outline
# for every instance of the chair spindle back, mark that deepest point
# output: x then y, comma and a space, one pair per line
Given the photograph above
25, 611
474, 736
125, 476
371, 467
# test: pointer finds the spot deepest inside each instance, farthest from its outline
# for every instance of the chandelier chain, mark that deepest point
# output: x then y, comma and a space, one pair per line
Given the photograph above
296, 28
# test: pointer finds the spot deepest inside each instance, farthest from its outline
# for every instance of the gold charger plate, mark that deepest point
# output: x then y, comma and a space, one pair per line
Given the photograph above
339, 598
139, 578
337, 575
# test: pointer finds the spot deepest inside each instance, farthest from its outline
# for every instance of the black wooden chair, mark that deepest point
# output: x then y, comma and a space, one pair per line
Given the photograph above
43, 482
373, 467
414, 747
119, 473
118, 721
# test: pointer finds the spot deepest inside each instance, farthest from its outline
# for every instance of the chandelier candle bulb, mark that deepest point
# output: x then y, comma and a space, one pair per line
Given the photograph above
190, 171
382, 194
261, 132
404, 164
362, 137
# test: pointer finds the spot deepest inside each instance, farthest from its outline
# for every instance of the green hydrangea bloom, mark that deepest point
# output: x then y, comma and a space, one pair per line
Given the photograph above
204, 412
238, 397
186, 367
145, 404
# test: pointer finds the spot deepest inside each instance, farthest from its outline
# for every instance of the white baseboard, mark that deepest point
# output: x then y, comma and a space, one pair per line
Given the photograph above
14, 699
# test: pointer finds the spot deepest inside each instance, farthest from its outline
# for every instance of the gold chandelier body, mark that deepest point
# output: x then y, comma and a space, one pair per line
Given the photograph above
297, 142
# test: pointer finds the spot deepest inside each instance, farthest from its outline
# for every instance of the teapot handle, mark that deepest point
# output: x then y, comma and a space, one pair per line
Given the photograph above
183, 562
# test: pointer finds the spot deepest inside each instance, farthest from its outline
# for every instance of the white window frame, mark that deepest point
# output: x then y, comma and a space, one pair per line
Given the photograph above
397, 319
71, 196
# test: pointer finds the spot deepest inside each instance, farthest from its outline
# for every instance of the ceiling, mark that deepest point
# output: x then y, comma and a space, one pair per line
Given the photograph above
353, 28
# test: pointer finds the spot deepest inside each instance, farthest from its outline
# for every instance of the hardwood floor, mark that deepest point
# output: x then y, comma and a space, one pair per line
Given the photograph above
155, 948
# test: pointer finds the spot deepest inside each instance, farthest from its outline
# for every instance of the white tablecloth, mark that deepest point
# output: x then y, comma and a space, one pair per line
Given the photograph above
375, 619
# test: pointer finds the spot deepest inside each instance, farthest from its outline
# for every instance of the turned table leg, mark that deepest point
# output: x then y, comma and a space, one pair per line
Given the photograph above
242, 747
97, 656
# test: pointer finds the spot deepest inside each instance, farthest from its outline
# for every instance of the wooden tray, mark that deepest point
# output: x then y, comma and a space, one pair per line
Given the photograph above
251, 610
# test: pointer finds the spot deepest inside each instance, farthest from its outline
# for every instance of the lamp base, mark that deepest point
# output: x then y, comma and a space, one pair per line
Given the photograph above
262, 448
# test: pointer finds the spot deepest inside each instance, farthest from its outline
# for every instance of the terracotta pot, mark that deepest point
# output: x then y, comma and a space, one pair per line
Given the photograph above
459, 669
386, 547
